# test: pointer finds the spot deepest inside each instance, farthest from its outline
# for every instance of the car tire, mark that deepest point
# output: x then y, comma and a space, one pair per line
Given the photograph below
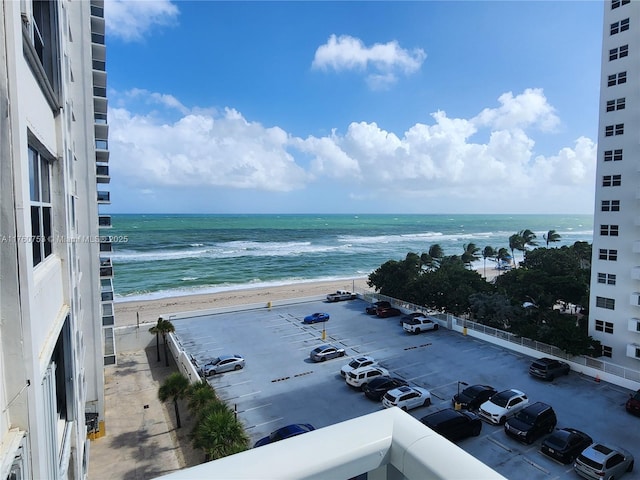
404, 409
502, 421
416, 331
323, 359
551, 428
476, 431
630, 467
436, 326
237, 367
427, 402
341, 354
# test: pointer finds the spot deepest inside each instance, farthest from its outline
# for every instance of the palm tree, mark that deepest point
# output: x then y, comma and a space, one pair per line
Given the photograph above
470, 254
487, 252
200, 395
156, 331
516, 242
174, 387
162, 328
551, 236
528, 238
432, 259
219, 434
502, 254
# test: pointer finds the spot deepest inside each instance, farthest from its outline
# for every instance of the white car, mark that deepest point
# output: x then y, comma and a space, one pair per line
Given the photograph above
357, 362
407, 398
503, 405
419, 324
341, 295
358, 377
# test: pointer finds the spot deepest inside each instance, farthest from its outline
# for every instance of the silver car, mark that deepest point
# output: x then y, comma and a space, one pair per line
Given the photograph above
224, 363
325, 352
600, 461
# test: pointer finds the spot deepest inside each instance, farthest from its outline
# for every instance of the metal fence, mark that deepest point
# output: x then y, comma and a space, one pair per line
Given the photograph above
451, 321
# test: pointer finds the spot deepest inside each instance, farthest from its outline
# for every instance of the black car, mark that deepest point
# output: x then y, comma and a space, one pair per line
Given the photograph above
473, 396
376, 388
565, 444
531, 422
548, 368
373, 308
289, 431
453, 424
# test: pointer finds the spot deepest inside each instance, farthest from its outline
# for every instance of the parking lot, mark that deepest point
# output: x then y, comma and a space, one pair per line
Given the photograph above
280, 385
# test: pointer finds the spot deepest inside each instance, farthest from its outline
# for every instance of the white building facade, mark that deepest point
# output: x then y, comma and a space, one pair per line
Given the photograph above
52, 338
614, 310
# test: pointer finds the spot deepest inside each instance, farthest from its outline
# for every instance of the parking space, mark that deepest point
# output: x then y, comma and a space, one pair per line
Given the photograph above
280, 385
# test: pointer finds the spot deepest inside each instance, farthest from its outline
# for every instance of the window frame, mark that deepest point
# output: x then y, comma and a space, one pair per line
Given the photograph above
41, 205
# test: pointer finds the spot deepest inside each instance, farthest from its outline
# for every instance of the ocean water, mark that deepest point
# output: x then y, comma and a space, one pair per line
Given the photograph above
166, 255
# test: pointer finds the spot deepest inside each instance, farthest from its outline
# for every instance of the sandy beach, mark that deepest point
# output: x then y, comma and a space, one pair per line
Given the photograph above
148, 311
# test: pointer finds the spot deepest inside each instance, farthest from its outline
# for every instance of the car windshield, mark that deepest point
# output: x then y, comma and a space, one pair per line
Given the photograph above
216, 361
472, 391
557, 441
591, 463
501, 399
526, 417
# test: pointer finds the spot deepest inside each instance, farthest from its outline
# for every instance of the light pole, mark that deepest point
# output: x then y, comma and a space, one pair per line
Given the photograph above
464, 384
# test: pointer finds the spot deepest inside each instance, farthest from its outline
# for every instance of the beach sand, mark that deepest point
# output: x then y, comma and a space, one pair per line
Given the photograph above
148, 311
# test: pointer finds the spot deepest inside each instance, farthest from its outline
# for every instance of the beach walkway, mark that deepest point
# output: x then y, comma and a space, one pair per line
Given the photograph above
141, 441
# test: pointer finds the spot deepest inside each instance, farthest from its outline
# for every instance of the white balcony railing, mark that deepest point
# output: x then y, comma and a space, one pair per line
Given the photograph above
387, 445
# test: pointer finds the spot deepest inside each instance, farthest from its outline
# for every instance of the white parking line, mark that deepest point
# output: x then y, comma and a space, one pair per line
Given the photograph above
266, 423
501, 445
232, 384
255, 408
244, 395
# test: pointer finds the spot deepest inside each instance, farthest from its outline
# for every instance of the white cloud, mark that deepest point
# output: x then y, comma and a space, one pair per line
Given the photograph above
427, 163
132, 20
529, 108
383, 61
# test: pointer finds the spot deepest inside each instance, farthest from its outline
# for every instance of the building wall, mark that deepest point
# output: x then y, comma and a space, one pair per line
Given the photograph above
614, 298
51, 368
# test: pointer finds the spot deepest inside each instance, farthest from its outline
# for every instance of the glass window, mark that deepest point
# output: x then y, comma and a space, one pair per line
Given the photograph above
608, 303
41, 217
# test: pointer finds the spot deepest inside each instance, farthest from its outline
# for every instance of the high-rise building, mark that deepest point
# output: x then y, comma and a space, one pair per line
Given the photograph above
614, 309
55, 330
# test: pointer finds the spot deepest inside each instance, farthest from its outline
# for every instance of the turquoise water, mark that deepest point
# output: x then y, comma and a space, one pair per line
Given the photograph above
165, 255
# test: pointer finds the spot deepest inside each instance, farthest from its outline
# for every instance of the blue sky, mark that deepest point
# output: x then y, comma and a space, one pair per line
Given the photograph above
353, 107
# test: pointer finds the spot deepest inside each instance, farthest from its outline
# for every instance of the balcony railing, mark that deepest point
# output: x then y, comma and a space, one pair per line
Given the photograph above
387, 445
100, 92
97, 38
97, 11
100, 65
104, 197
102, 144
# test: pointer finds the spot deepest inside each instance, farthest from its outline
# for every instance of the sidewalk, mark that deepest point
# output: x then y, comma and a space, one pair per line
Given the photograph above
141, 440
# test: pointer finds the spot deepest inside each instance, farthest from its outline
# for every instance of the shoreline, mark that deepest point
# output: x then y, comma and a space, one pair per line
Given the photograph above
134, 312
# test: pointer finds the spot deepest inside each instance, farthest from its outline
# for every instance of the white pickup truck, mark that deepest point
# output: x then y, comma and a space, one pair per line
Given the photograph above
419, 324
341, 295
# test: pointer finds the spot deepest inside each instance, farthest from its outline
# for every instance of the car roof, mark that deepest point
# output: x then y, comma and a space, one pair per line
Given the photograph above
366, 368
226, 357
536, 407
442, 415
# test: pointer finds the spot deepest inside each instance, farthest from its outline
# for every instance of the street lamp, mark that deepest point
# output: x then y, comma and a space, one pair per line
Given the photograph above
464, 384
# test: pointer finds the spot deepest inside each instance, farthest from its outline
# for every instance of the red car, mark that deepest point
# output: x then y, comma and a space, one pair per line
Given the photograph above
388, 312
633, 404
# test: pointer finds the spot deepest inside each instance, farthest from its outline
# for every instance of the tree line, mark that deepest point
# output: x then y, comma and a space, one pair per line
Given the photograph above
543, 299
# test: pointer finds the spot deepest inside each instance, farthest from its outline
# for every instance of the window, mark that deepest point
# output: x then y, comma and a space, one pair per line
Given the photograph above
607, 351
608, 303
611, 255
617, 3
618, 104
617, 27
41, 47
616, 79
602, 326
619, 52
40, 194
611, 180
607, 278
609, 230
617, 129
615, 155
610, 205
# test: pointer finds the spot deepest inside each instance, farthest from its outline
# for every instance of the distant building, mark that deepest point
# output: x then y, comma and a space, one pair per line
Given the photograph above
614, 309
55, 330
